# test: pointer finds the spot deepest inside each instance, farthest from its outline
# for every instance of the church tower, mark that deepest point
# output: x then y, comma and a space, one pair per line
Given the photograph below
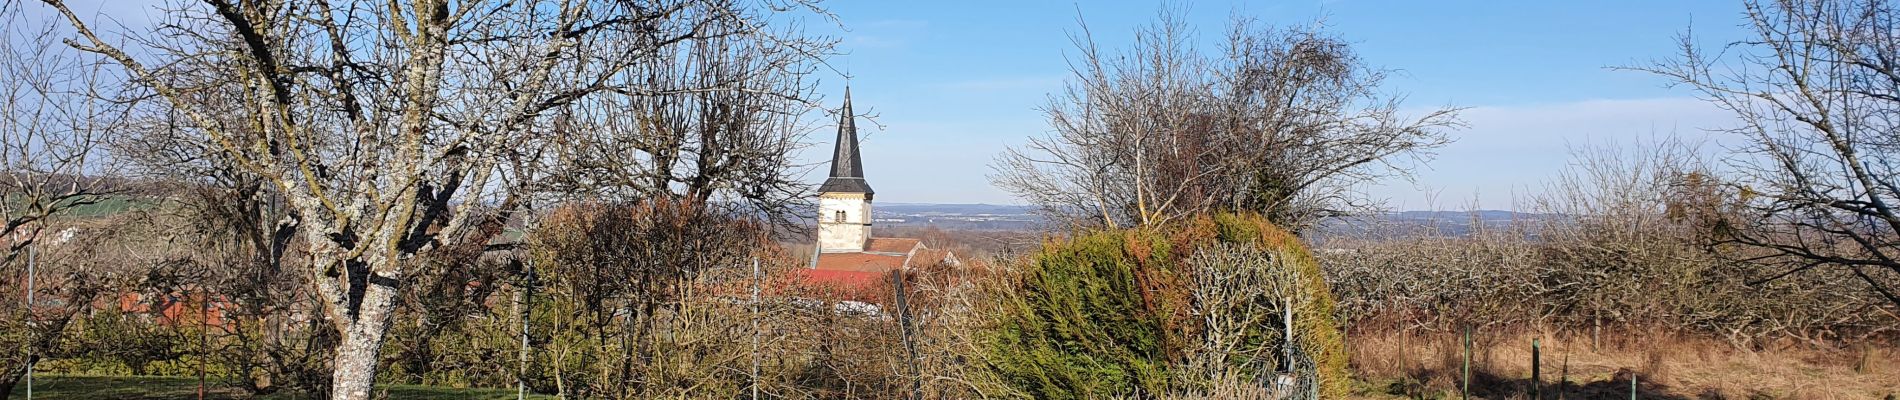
844, 201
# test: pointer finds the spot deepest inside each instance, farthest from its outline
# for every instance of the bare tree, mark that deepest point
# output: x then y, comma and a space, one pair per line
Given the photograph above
1815, 90
1239, 295
715, 121
1283, 122
51, 133
1615, 243
626, 266
51, 165
386, 126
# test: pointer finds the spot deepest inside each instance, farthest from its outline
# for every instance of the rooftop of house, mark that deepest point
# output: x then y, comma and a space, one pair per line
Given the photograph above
884, 255
861, 262
893, 245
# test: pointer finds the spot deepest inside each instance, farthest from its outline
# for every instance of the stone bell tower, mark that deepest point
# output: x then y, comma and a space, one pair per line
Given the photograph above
844, 201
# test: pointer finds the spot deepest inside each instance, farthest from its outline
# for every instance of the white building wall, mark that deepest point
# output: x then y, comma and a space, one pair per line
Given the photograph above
848, 233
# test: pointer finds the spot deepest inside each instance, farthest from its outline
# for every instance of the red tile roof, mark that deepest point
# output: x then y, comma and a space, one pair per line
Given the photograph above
865, 276
872, 287
884, 255
860, 262
892, 245
931, 257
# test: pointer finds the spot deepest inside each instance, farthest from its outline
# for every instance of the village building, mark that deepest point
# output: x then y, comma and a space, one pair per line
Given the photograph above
845, 251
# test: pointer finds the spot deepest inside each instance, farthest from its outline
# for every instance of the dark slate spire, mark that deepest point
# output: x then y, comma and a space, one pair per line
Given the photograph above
847, 169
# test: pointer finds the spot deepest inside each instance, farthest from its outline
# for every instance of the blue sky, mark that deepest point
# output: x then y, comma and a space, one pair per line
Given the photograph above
954, 83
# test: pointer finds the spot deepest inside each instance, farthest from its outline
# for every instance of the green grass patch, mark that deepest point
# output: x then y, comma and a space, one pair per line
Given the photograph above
59, 387
103, 206
111, 205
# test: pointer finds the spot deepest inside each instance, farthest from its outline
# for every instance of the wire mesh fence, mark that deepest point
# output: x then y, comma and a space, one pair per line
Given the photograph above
1300, 379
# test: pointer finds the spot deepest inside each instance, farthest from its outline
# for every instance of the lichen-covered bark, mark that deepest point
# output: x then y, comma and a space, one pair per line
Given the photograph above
362, 342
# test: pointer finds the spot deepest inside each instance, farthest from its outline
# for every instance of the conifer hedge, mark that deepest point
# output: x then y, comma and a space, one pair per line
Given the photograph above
1107, 313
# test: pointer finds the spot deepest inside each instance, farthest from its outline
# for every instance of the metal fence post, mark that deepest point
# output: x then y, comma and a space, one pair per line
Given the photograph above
30, 320
526, 307
1465, 391
1287, 323
1537, 376
204, 341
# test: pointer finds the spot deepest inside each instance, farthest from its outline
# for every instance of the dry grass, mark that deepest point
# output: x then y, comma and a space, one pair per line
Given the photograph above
1667, 366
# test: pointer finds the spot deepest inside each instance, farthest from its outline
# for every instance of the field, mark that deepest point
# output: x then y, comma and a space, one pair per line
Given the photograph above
1430, 366
158, 387
1679, 369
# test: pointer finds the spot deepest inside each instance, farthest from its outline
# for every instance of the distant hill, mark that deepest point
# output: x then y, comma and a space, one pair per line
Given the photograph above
1015, 217
1484, 215
932, 208
989, 217
1450, 223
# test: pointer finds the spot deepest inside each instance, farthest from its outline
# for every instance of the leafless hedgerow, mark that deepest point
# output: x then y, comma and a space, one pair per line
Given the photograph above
386, 126
1282, 122
623, 265
89, 261
1621, 247
1814, 90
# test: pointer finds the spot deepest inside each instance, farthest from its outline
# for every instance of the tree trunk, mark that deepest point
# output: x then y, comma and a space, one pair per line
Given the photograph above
356, 356
9, 379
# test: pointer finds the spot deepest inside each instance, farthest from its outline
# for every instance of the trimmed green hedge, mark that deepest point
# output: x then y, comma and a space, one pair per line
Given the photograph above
1321, 337
1106, 313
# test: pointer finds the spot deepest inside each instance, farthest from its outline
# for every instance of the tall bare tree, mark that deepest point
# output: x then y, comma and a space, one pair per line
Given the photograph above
1816, 91
716, 122
624, 267
1283, 122
52, 164
389, 128
52, 131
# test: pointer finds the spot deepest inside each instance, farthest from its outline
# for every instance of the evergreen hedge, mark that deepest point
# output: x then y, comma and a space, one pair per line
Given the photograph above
1106, 313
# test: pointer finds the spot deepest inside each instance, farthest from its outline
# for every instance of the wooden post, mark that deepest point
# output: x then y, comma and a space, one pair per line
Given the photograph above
755, 328
1563, 378
1404, 352
910, 346
1596, 333
1537, 379
1860, 366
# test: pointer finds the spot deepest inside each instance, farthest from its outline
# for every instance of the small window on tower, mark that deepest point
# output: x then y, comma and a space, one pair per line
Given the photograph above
838, 217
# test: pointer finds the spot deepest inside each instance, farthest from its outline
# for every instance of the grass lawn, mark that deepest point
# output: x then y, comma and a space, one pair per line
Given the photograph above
166, 387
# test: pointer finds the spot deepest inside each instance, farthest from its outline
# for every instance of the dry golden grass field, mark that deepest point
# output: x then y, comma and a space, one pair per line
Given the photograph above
1665, 365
